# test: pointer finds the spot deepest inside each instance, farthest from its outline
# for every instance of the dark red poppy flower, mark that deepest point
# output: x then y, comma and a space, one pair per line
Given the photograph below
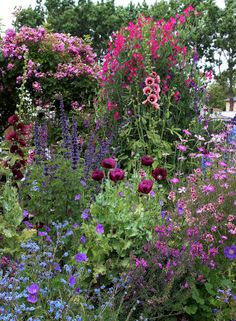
145, 186
14, 149
20, 153
97, 175
147, 160
117, 174
18, 175
109, 163
159, 174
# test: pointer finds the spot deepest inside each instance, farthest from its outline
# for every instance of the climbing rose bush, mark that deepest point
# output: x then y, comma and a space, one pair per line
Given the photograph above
50, 64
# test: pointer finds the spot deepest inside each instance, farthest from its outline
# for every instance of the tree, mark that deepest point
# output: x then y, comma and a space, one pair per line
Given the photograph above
31, 17
226, 43
217, 96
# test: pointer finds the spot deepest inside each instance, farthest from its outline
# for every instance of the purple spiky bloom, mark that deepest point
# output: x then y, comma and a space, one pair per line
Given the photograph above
37, 143
74, 145
65, 131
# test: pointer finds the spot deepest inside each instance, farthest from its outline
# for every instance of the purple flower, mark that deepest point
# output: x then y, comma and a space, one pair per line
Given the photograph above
74, 145
72, 280
21, 267
83, 239
25, 213
83, 183
33, 288
230, 252
56, 266
85, 214
42, 233
77, 197
100, 229
208, 189
78, 290
32, 298
81, 257
152, 194
180, 210
182, 148
28, 225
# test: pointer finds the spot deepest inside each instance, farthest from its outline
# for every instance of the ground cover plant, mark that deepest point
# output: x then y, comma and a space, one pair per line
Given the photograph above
94, 226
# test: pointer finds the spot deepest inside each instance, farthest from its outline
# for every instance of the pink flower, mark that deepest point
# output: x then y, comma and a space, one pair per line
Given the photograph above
156, 106
147, 90
12, 136
116, 115
186, 132
223, 164
37, 87
172, 196
13, 119
156, 88
152, 98
149, 81
208, 189
182, 148
141, 262
174, 180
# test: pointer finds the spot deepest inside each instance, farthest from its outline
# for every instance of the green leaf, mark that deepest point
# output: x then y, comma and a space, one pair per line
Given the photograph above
192, 309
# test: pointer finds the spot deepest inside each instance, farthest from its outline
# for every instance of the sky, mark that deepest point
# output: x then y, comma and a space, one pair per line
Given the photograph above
7, 7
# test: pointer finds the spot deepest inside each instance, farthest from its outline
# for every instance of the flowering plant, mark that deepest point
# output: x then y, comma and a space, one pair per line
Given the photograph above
55, 64
151, 85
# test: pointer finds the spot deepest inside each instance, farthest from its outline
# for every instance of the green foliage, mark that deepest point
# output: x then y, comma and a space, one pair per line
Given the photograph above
10, 219
51, 196
217, 96
127, 218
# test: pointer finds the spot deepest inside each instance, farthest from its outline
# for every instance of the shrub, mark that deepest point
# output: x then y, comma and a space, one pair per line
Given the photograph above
47, 64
